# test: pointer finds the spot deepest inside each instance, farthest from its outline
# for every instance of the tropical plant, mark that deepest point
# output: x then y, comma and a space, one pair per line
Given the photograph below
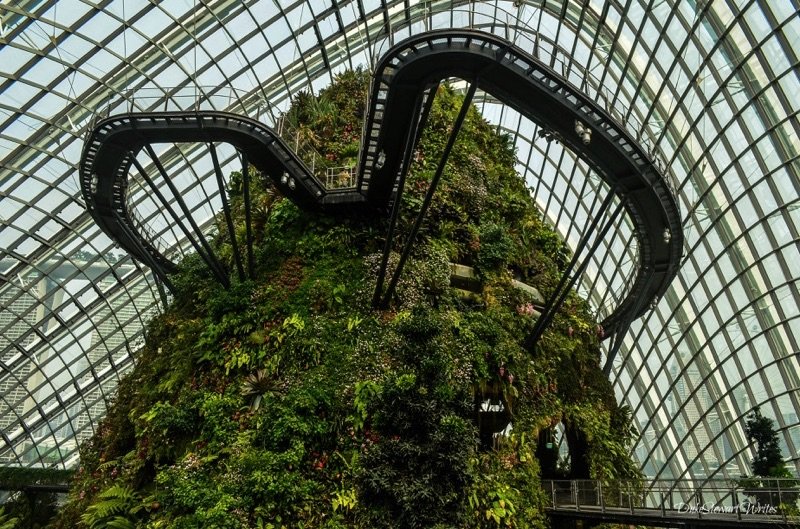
117, 508
770, 484
768, 460
287, 400
6, 520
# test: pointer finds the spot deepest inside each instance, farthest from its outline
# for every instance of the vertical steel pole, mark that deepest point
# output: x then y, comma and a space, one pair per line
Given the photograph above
630, 497
429, 195
602, 499
226, 210
202, 250
247, 216
387, 246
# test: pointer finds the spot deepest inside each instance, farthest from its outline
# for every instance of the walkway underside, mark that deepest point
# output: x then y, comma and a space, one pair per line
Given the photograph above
622, 516
403, 81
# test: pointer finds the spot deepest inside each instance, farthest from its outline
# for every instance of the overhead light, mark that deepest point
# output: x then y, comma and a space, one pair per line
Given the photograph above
548, 135
380, 161
667, 235
584, 132
284, 178
292, 184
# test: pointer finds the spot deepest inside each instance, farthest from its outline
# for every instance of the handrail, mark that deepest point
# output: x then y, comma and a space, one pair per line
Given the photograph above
765, 500
404, 75
546, 50
321, 167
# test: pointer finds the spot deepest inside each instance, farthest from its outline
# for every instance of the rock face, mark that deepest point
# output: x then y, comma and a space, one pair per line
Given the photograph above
288, 401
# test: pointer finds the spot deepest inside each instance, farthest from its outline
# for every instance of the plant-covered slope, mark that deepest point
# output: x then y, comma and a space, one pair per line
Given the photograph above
288, 401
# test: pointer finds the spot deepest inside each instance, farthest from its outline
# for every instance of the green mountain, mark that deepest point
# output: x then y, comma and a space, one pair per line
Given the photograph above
288, 401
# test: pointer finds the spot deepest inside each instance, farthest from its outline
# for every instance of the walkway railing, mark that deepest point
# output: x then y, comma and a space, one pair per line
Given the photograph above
333, 178
395, 115
506, 24
766, 501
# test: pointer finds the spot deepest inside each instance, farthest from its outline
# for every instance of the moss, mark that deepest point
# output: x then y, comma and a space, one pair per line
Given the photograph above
288, 401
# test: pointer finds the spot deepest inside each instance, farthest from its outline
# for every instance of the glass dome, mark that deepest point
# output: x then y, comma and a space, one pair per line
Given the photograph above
710, 87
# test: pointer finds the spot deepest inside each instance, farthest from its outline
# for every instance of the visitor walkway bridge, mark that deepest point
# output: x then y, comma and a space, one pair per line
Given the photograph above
680, 504
404, 86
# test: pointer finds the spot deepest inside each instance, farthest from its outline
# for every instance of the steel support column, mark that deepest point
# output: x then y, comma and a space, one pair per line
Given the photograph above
462, 114
247, 215
616, 340
176, 219
226, 210
154, 266
410, 144
569, 279
217, 266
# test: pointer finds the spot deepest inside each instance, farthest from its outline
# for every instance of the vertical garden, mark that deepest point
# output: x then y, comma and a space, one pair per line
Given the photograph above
289, 401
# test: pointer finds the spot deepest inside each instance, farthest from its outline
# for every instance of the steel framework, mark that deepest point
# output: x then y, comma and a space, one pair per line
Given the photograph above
711, 87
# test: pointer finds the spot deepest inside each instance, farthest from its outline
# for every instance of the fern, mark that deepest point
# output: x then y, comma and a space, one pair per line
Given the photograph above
6, 522
119, 522
114, 510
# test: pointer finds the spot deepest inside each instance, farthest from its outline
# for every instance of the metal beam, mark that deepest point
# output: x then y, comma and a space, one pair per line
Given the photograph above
462, 114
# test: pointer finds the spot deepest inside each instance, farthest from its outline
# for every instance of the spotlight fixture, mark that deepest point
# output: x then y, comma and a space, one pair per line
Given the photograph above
548, 135
380, 161
291, 183
584, 132
667, 235
284, 178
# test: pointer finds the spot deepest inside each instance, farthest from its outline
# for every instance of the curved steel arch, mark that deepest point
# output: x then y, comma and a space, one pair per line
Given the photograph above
728, 393
698, 282
713, 297
403, 74
714, 370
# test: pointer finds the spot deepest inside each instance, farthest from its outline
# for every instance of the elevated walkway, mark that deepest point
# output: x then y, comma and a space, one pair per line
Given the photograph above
714, 504
403, 80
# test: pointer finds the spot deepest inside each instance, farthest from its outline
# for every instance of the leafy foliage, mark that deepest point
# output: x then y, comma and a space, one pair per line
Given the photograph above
16, 478
288, 401
116, 509
771, 483
768, 461
7, 521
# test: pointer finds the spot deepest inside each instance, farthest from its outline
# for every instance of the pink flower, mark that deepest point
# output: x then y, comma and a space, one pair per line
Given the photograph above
525, 309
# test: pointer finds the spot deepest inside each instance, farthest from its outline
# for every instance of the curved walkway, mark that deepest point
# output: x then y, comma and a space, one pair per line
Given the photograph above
401, 80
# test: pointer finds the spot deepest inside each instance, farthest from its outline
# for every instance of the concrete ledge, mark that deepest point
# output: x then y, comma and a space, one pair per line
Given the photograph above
463, 277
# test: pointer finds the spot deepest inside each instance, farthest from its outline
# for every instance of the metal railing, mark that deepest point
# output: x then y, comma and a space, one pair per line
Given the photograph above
332, 177
340, 177
507, 25
764, 500
145, 228
181, 99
